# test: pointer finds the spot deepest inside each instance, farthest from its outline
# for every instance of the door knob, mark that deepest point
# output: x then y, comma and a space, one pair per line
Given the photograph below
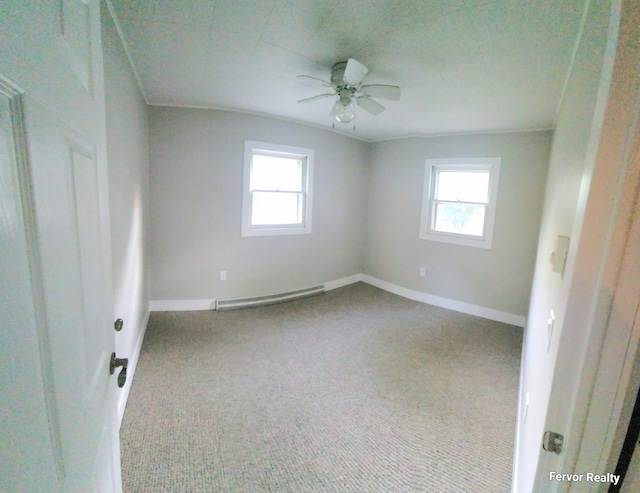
122, 377
116, 362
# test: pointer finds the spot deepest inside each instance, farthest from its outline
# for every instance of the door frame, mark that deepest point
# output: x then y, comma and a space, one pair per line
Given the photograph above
622, 332
605, 295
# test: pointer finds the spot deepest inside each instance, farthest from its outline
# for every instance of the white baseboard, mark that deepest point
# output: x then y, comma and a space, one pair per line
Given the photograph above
131, 368
181, 305
345, 281
210, 303
458, 306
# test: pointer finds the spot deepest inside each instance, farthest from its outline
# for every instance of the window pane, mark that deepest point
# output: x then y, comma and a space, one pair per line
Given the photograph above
276, 208
276, 173
463, 186
460, 218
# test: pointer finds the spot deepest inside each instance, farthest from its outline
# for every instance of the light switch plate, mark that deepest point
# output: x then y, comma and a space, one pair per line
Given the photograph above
550, 325
559, 255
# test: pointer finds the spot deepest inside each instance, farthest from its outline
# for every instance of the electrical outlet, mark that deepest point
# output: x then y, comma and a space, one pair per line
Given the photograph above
223, 275
423, 272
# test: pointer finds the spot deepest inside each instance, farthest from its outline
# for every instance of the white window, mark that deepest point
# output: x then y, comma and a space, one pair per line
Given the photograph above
277, 189
459, 200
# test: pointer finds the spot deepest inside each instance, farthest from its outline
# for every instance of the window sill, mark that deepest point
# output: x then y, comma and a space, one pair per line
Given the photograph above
457, 240
275, 231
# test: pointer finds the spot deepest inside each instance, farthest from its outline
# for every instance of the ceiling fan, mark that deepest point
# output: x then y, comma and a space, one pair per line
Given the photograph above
346, 82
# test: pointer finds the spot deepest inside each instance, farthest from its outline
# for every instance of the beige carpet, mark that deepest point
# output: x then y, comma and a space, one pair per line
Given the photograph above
355, 390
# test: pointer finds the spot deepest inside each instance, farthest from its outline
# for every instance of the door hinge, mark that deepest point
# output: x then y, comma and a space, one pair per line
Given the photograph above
552, 442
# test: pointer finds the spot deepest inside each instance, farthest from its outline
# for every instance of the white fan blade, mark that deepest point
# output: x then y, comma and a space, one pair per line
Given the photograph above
354, 72
369, 105
315, 80
383, 91
315, 98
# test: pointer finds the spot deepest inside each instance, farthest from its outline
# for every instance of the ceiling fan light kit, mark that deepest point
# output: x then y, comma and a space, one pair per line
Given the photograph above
344, 113
346, 81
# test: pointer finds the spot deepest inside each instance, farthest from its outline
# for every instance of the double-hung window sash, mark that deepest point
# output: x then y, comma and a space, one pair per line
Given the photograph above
459, 200
277, 187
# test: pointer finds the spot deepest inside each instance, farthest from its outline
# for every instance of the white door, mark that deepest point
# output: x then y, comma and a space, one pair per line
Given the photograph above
51, 63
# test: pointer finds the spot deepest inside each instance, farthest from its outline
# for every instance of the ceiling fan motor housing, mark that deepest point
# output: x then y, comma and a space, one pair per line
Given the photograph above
345, 95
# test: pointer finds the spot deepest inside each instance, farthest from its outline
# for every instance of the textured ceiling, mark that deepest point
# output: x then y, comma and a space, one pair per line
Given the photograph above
463, 65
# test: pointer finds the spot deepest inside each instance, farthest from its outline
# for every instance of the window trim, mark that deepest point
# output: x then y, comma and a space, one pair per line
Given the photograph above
252, 147
427, 218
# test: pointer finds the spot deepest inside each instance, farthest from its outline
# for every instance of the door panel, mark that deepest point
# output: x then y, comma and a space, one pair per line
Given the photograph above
52, 52
93, 339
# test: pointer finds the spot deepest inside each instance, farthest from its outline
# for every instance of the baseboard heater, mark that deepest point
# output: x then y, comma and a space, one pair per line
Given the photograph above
271, 299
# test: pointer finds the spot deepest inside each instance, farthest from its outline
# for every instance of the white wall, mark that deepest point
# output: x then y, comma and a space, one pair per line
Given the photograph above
196, 203
128, 158
499, 278
366, 213
570, 171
